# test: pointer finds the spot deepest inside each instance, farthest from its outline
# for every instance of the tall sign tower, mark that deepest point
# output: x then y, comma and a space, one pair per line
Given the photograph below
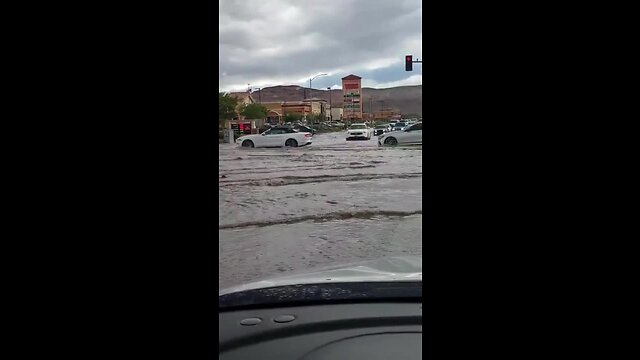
352, 97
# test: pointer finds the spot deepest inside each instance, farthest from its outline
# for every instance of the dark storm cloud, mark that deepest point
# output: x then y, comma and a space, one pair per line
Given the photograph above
284, 42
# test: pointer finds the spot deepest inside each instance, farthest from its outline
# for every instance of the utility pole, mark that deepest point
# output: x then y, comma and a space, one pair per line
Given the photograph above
373, 117
259, 94
330, 106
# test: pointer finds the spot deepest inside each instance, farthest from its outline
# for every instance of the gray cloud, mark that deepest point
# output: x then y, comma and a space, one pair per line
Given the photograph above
275, 42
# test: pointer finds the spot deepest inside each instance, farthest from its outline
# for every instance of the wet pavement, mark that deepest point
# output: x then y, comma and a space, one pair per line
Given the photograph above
333, 202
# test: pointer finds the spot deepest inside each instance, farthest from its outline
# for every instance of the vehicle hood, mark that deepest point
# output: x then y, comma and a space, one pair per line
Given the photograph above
404, 268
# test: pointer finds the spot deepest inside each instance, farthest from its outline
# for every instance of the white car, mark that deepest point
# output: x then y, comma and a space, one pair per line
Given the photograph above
412, 135
359, 131
276, 137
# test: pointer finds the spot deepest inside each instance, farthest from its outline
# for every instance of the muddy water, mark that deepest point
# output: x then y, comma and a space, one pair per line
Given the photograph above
333, 202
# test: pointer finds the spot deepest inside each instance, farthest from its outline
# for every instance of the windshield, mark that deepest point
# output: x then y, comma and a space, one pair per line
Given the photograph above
294, 205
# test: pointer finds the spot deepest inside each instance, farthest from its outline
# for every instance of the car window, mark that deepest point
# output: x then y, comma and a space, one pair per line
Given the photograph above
276, 132
416, 127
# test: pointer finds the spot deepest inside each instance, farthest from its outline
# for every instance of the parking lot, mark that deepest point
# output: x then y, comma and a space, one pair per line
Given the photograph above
334, 202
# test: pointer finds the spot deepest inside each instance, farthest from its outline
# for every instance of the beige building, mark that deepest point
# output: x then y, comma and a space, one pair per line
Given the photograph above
336, 114
275, 112
319, 107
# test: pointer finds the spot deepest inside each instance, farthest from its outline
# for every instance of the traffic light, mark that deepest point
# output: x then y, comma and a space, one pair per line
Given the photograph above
408, 64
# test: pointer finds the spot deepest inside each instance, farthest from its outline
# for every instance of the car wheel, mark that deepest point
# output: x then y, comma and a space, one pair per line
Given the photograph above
247, 143
291, 143
390, 141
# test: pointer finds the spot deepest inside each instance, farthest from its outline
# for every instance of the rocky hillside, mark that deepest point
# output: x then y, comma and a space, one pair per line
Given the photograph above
407, 99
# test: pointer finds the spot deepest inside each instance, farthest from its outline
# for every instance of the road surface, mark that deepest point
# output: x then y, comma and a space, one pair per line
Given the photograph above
334, 202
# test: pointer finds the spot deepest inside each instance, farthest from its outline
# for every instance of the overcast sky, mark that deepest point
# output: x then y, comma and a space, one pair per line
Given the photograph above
285, 42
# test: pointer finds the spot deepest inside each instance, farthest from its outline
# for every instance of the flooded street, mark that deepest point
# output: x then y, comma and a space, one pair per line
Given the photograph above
333, 202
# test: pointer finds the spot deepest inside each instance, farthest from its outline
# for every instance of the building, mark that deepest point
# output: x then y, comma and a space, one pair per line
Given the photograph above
239, 123
387, 113
244, 98
351, 95
299, 108
275, 113
319, 107
336, 114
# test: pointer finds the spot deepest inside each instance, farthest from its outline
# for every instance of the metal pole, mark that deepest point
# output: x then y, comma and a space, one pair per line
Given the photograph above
330, 106
311, 79
373, 117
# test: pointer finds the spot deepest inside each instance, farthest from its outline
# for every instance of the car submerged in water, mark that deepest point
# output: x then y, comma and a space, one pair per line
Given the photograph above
370, 310
381, 129
412, 135
276, 137
399, 126
359, 131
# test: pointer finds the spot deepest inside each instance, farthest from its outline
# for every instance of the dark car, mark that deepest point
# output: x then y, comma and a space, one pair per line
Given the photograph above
380, 129
302, 128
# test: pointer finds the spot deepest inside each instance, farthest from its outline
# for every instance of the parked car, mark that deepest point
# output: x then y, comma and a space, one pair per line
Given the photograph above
380, 129
303, 128
399, 126
359, 131
412, 135
276, 137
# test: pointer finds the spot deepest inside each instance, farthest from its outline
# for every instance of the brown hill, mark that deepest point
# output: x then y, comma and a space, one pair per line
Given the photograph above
407, 99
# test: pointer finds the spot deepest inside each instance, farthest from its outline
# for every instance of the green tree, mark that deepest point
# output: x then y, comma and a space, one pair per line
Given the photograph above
227, 105
254, 111
313, 118
291, 118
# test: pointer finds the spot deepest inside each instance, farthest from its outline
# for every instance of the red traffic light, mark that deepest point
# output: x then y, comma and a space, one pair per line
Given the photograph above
408, 66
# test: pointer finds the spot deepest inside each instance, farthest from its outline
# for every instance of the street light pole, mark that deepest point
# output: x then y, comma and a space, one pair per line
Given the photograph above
313, 78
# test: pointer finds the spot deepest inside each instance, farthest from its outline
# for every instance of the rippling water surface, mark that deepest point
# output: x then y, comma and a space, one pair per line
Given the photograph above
330, 203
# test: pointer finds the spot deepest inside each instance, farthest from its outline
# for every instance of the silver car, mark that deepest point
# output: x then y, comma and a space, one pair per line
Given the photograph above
412, 135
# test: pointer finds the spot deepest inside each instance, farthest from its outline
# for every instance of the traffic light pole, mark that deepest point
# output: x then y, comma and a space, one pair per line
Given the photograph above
408, 62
